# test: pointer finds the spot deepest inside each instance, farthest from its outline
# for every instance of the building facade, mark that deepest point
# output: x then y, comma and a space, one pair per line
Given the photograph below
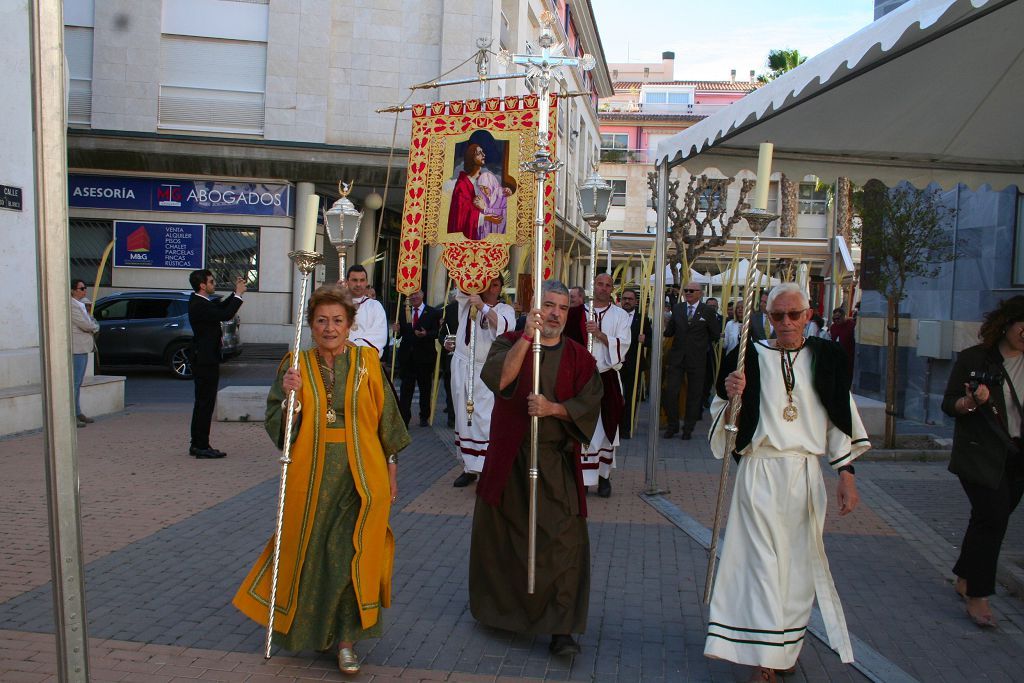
219, 117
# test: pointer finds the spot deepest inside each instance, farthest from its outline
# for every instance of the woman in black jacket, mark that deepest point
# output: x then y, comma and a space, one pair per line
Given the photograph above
984, 394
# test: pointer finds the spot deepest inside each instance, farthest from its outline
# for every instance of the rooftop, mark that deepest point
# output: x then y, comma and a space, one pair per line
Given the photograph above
709, 86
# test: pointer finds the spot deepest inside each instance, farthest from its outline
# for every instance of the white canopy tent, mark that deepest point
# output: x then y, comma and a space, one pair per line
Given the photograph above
740, 278
930, 93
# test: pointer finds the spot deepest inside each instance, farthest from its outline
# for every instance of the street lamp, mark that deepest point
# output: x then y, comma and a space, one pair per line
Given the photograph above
342, 222
594, 196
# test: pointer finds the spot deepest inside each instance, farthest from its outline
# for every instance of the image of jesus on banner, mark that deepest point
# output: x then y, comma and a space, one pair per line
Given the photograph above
480, 187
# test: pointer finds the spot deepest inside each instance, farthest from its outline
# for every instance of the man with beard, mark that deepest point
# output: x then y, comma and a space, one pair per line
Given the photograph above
568, 408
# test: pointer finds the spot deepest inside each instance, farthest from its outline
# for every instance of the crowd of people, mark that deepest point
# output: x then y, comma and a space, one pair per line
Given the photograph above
794, 391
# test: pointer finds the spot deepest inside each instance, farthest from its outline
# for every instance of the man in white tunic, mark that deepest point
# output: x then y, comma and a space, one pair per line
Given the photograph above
371, 324
493, 319
796, 407
609, 325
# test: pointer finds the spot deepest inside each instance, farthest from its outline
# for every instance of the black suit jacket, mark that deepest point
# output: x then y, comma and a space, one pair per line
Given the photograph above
418, 351
205, 317
449, 321
692, 337
629, 363
757, 328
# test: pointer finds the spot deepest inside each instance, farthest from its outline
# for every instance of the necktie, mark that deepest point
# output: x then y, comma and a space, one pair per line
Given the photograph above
415, 317
689, 314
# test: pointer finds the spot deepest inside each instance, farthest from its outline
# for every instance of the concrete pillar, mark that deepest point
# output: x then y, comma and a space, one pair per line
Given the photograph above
365, 241
434, 288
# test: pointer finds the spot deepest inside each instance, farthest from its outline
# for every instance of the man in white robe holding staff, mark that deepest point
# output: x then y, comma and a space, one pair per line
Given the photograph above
493, 319
796, 406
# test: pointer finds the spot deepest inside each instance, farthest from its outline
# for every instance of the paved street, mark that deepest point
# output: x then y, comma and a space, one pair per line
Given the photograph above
169, 538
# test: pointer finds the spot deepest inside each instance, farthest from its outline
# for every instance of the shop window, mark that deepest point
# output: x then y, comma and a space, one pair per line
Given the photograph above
232, 252
812, 200
211, 84
1018, 246
710, 200
87, 239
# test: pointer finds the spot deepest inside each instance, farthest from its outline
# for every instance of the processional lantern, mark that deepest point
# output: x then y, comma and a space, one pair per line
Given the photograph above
342, 222
594, 197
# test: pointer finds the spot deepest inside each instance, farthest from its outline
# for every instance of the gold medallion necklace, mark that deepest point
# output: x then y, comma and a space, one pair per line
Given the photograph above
789, 413
325, 371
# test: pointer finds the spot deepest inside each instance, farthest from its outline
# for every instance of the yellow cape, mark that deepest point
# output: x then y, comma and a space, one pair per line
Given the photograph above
374, 543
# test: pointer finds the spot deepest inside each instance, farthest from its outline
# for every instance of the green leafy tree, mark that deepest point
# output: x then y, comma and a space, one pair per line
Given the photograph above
781, 61
902, 233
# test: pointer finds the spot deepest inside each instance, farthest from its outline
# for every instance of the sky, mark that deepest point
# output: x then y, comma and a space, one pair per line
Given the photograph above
712, 37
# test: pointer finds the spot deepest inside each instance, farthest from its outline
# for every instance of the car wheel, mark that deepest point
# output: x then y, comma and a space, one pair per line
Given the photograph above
178, 360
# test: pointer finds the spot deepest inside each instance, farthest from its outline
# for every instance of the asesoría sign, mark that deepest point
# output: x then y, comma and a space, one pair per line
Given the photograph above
180, 196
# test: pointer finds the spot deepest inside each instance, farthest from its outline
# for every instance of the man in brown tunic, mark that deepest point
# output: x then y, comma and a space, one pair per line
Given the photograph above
568, 406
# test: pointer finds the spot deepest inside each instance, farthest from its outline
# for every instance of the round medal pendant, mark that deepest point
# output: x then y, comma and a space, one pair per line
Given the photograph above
789, 413
332, 416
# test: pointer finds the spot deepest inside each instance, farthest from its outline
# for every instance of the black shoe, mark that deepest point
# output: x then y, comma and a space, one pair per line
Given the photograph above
205, 453
686, 435
217, 450
464, 479
604, 487
563, 646
424, 422
670, 432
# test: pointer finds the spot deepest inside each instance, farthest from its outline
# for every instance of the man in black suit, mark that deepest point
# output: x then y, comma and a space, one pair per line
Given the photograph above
638, 338
760, 325
416, 355
449, 326
693, 325
205, 317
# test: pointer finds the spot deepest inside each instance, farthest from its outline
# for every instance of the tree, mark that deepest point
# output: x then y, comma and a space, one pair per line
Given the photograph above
699, 221
902, 232
781, 61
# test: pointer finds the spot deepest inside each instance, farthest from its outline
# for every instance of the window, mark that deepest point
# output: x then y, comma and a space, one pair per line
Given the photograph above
233, 251
773, 197
148, 309
812, 200
78, 50
614, 140
87, 239
656, 97
1018, 253
116, 310
212, 85
618, 192
710, 200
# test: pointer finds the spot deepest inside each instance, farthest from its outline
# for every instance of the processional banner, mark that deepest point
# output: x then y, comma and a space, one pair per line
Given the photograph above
466, 189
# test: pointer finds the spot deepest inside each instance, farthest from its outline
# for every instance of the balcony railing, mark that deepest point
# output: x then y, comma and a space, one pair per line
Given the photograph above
648, 108
626, 156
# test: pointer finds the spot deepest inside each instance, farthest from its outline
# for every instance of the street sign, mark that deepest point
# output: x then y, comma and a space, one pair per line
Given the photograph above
10, 197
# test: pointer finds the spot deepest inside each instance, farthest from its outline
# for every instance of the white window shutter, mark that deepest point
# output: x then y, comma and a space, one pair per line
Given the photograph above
78, 51
212, 85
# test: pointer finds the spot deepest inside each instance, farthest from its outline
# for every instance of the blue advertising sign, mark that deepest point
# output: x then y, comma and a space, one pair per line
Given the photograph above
179, 196
159, 245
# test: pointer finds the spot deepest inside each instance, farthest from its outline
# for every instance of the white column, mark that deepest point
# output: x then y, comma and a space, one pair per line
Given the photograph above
302, 191
434, 289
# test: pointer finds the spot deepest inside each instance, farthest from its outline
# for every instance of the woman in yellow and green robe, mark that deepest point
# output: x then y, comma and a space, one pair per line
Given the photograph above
337, 549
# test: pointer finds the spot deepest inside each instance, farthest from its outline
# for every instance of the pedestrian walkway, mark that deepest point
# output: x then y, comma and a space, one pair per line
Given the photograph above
168, 539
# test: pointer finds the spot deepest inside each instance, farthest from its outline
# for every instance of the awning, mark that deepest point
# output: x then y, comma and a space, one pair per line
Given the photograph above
930, 93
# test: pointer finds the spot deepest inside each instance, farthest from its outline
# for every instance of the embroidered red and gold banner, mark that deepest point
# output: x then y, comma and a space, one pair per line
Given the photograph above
466, 189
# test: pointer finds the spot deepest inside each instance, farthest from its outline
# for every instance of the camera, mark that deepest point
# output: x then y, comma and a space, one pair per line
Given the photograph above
978, 377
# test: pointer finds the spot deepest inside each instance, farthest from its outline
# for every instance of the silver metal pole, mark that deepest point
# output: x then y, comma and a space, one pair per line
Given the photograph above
593, 277
305, 262
59, 437
657, 331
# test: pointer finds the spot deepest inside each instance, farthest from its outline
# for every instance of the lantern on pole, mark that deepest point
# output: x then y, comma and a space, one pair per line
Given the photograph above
594, 196
342, 223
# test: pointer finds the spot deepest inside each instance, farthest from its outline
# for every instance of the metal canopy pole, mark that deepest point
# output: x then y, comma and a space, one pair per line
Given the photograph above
59, 436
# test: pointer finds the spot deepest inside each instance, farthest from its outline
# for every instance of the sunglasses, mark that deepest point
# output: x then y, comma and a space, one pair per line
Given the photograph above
80, 289
691, 291
779, 316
